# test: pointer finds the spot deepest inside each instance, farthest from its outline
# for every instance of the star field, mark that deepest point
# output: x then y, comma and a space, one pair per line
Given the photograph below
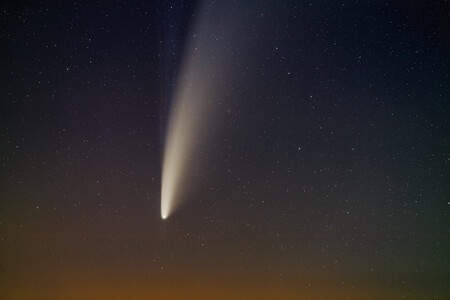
324, 175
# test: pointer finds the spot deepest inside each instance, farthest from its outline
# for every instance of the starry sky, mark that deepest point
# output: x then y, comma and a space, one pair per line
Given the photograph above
324, 175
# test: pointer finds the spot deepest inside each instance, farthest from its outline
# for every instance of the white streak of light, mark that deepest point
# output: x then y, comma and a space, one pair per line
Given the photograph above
203, 74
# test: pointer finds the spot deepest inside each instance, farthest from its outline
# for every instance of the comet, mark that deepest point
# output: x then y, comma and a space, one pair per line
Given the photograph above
178, 148
199, 90
188, 113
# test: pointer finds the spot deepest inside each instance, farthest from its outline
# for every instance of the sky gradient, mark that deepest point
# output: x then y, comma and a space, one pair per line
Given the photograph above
321, 173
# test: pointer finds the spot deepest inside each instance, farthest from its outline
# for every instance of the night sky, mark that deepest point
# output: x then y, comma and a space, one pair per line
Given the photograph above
322, 174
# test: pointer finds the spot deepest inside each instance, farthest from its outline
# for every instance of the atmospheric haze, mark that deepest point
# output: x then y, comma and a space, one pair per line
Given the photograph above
196, 100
